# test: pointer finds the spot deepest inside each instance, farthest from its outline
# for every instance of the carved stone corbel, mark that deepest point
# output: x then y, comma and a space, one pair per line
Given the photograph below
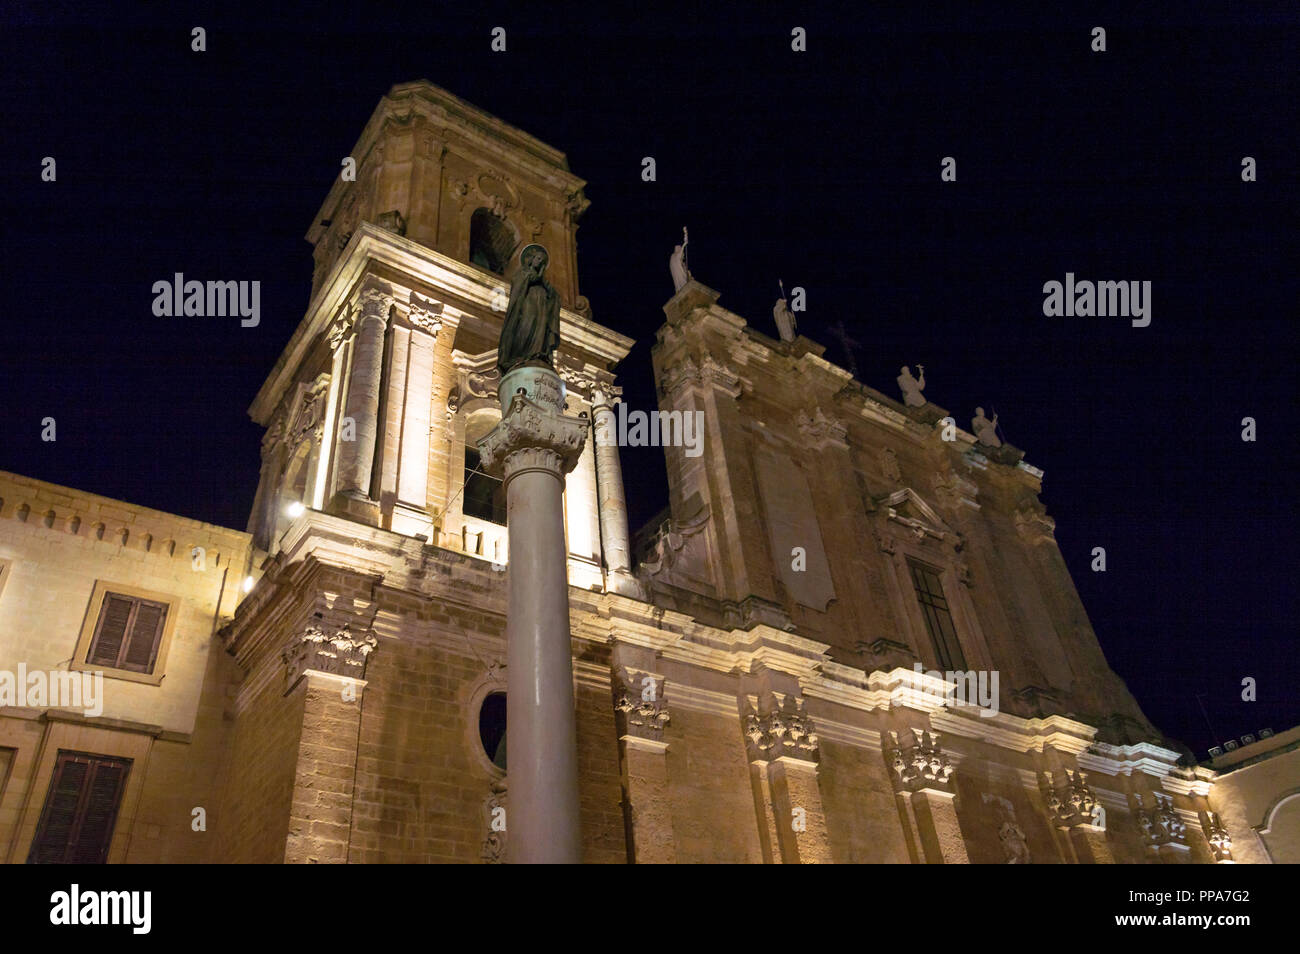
639, 706
919, 762
777, 727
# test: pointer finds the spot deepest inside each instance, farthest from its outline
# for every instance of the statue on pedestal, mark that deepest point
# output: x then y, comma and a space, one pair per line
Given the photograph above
984, 429
677, 264
784, 317
531, 331
912, 387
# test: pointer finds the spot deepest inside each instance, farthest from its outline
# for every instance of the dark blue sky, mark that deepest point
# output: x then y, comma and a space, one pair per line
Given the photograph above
819, 168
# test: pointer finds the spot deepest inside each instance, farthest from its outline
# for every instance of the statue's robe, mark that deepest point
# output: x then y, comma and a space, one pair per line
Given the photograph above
531, 331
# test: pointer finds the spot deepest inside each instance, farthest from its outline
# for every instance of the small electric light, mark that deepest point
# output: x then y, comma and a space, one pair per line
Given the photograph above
248, 584
296, 509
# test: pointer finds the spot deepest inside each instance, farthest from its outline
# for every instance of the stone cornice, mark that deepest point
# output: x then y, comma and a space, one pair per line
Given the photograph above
691, 654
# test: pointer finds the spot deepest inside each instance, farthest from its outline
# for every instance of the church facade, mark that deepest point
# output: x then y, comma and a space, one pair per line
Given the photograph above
851, 637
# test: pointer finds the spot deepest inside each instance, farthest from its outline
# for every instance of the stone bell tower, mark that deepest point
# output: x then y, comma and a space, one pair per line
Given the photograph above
373, 410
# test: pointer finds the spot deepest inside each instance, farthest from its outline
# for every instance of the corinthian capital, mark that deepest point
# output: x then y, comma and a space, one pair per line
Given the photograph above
375, 299
532, 437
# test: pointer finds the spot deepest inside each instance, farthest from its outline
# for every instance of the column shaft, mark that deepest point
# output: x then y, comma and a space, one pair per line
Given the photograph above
609, 481
358, 456
540, 723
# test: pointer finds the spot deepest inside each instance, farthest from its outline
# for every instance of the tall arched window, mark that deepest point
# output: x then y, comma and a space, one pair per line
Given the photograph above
491, 240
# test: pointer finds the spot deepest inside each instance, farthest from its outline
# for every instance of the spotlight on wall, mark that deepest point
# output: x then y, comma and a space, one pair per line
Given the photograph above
248, 584
296, 509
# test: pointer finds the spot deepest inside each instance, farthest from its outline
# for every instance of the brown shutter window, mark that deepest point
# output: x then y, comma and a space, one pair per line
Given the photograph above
80, 811
128, 633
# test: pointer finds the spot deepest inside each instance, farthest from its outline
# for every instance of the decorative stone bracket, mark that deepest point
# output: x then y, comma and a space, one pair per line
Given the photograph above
922, 764
1072, 803
639, 705
1160, 824
781, 729
342, 654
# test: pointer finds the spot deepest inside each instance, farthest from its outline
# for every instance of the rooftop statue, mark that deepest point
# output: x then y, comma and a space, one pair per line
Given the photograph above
912, 387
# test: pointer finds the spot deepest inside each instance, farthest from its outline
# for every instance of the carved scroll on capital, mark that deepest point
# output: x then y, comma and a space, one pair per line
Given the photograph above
919, 762
639, 706
425, 314
778, 728
340, 653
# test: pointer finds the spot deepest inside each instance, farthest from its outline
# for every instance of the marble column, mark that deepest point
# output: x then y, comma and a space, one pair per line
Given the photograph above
357, 456
534, 446
614, 536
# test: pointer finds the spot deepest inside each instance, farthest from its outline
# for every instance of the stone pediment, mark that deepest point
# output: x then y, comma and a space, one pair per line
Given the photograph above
908, 510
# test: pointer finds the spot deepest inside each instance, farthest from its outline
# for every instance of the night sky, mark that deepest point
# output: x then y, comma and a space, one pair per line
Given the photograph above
819, 168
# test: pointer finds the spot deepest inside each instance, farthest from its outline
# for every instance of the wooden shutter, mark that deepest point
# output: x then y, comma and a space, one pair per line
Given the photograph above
128, 633
80, 811
146, 634
110, 631
103, 795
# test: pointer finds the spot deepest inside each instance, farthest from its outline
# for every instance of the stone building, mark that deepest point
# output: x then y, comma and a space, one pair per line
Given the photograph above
770, 672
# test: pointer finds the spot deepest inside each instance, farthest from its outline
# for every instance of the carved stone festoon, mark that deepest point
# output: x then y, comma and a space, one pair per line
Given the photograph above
341, 652
919, 762
1159, 822
779, 728
1071, 801
639, 706
1217, 835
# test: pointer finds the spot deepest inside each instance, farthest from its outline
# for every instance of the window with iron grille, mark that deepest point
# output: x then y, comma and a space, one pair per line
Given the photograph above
76, 825
938, 620
128, 633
